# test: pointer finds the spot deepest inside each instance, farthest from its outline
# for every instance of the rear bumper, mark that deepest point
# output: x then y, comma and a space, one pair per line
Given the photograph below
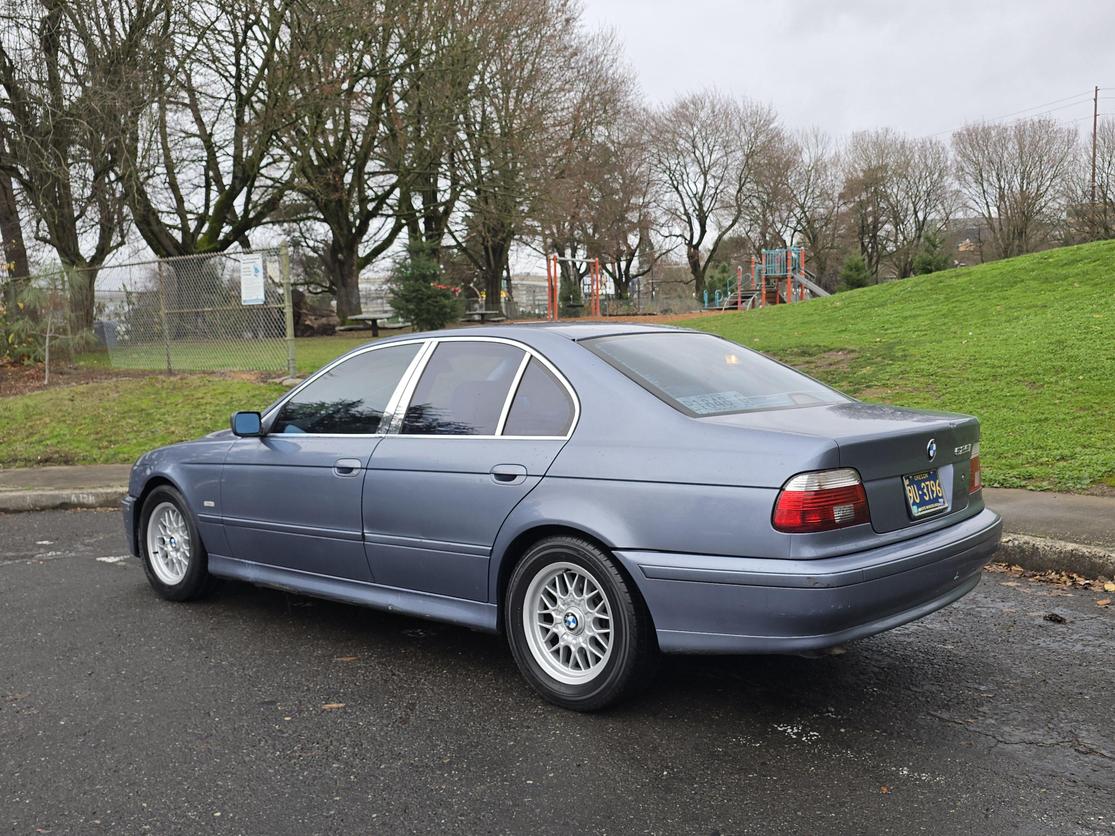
127, 506
709, 604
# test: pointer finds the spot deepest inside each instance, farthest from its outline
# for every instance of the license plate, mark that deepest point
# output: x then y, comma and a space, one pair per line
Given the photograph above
924, 495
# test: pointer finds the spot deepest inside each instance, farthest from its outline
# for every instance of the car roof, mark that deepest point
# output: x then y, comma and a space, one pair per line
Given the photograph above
569, 330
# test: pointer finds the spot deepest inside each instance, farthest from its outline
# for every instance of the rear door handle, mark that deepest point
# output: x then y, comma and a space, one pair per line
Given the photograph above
509, 474
346, 467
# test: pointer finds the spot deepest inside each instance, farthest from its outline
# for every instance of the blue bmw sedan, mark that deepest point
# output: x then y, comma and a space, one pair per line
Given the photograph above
598, 493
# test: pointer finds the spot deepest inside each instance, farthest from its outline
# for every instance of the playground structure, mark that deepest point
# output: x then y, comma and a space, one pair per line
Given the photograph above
553, 284
776, 277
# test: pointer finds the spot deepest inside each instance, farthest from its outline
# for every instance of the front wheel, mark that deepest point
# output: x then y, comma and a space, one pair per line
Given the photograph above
174, 559
579, 633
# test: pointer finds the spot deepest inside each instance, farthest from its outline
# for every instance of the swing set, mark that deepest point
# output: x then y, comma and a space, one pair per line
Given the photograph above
553, 283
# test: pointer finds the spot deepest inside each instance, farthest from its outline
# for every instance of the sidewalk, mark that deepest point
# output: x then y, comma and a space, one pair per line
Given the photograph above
1041, 530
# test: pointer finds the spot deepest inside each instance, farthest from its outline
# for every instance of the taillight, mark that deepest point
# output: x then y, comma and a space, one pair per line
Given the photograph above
975, 476
821, 501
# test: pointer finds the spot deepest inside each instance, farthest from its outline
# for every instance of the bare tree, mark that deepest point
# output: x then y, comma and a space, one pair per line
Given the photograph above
506, 130
628, 221
201, 167
815, 201
1014, 176
598, 97
335, 136
921, 198
441, 47
68, 71
1094, 216
706, 148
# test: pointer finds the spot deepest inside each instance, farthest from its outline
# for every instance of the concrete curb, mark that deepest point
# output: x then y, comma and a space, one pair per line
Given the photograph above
12, 501
1038, 554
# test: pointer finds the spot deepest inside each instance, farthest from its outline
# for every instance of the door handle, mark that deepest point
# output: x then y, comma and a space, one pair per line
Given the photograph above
509, 474
346, 467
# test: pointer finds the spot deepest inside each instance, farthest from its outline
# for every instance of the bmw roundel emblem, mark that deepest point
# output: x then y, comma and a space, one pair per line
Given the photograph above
931, 449
570, 621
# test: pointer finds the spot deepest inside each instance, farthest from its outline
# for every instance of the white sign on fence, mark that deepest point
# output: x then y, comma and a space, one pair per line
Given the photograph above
252, 281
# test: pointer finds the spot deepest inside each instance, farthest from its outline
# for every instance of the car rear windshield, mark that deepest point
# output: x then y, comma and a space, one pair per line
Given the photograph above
699, 374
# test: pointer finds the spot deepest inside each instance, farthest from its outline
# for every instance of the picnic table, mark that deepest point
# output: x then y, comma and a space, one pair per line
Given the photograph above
367, 319
483, 316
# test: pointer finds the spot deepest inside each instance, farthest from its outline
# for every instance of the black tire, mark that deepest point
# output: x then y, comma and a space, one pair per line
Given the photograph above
196, 582
634, 650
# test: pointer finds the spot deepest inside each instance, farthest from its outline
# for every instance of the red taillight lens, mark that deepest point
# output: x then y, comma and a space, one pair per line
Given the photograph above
821, 501
975, 476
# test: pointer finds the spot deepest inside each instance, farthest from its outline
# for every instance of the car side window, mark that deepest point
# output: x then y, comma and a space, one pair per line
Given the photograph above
350, 398
542, 406
462, 389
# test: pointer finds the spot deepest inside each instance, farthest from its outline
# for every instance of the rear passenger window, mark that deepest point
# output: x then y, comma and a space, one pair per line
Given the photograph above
463, 389
542, 406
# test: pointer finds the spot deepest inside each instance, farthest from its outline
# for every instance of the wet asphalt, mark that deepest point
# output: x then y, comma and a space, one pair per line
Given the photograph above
258, 711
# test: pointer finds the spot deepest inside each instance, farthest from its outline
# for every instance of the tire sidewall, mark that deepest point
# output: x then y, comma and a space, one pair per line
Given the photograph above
197, 573
617, 670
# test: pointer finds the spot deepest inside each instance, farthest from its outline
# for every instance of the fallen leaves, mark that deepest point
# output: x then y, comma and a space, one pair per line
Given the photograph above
345, 658
1053, 576
332, 706
1103, 602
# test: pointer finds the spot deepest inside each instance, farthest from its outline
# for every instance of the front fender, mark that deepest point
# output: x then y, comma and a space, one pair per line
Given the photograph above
194, 469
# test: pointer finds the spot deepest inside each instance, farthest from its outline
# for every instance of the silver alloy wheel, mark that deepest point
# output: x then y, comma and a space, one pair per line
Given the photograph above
168, 543
568, 623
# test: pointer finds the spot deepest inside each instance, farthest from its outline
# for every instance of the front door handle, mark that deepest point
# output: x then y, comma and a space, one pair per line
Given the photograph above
346, 467
509, 474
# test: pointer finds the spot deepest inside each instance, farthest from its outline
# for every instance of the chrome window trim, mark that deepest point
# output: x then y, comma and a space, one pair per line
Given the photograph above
392, 402
511, 392
396, 425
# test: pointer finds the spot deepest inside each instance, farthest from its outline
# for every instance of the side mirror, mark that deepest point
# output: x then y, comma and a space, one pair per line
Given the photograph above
247, 424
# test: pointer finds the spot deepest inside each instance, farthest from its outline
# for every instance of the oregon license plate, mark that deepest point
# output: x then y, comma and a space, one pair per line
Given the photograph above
924, 495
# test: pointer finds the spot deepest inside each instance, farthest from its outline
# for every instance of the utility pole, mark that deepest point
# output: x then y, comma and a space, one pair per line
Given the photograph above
1095, 125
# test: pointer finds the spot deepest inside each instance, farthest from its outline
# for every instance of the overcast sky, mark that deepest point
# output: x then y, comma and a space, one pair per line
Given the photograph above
923, 67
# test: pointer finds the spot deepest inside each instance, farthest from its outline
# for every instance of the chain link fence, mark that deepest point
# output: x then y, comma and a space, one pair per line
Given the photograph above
213, 312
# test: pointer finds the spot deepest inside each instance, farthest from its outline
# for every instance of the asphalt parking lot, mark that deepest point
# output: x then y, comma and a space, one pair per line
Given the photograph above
262, 712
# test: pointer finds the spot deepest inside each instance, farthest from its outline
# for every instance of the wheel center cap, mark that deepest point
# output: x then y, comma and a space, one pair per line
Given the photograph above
572, 622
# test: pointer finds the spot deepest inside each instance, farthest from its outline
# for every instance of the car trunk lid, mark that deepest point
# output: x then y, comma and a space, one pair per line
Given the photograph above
885, 444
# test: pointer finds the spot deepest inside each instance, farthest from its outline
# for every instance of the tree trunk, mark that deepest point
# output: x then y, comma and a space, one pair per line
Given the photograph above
11, 232
82, 299
348, 290
341, 264
693, 256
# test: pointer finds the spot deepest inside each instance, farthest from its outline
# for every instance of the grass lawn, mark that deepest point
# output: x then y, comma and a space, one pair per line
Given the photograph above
217, 355
1027, 345
116, 420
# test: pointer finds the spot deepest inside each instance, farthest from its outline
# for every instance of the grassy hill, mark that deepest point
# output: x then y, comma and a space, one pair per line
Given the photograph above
1026, 344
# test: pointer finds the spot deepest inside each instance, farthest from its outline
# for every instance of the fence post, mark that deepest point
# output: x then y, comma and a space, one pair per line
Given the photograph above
162, 317
288, 308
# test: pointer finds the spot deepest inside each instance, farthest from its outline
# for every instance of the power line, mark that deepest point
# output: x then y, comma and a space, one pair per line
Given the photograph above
1036, 111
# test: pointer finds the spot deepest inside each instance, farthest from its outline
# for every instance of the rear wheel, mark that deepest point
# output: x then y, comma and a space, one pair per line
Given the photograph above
174, 558
579, 633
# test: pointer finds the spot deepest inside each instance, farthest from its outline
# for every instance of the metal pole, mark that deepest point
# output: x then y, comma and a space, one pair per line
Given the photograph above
761, 272
739, 287
1095, 125
789, 276
288, 308
162, 317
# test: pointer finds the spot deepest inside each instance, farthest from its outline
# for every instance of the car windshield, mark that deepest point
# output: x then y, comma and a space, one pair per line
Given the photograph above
699, 374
